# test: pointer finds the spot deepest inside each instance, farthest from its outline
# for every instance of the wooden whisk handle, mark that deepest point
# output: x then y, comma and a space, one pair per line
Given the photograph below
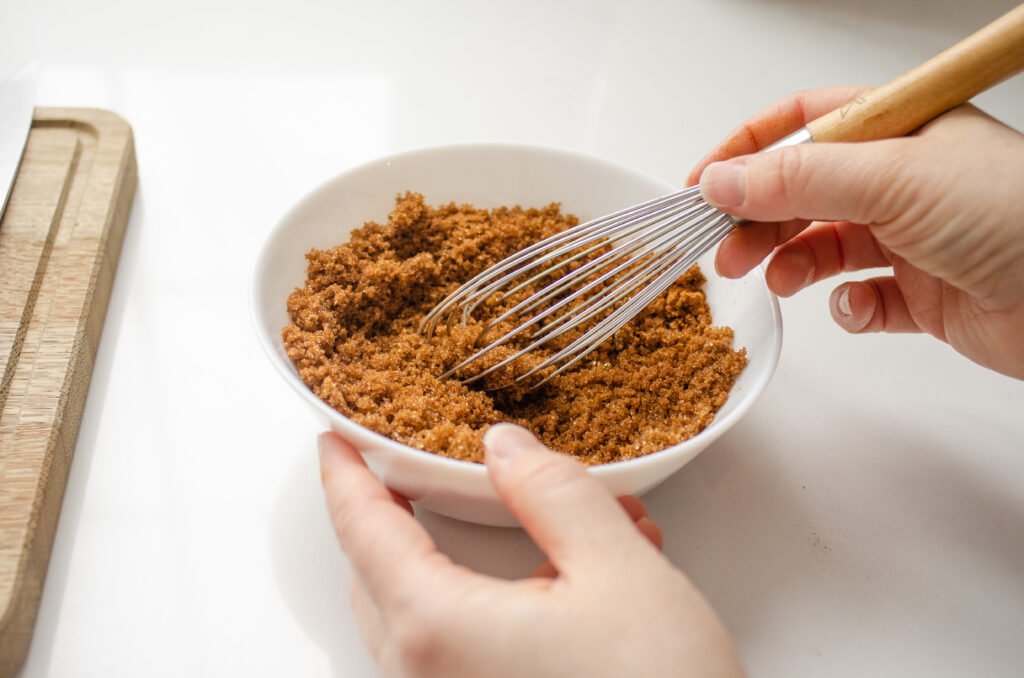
974, 64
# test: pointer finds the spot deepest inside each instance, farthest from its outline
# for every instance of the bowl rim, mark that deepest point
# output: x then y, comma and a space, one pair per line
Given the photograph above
717, 427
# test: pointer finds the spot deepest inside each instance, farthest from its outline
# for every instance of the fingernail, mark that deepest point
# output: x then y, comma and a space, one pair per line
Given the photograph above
725, 183
504, 441
843, 302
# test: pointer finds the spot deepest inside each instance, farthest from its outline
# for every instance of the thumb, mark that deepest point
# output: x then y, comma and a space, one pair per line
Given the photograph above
573, 518
859, 182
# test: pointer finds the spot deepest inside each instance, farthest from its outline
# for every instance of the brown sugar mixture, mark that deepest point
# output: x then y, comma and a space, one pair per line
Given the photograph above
355, 342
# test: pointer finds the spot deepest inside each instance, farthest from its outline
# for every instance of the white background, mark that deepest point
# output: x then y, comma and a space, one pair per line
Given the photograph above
866, 517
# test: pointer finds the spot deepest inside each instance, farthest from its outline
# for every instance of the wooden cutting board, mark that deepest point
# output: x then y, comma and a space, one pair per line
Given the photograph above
60, 239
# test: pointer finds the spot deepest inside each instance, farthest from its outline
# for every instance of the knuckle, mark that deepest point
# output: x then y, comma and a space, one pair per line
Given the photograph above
418, 641
877, 321
887, 185
343, 521
791, 164
796, 101
353, 533
775, 183
891, 177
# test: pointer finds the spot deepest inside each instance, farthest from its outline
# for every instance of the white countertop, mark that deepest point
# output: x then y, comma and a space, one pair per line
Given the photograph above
865, 518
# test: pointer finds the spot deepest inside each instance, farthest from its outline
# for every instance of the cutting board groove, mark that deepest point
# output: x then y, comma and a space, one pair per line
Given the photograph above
27, 240
60, 239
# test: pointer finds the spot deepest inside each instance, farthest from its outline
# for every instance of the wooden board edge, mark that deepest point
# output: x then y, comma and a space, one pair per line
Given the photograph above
114, 139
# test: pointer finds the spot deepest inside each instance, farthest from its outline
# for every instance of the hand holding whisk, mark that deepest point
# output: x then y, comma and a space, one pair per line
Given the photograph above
588, 282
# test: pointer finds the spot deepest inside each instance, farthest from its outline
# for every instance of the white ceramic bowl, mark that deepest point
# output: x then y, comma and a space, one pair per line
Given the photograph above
490, 175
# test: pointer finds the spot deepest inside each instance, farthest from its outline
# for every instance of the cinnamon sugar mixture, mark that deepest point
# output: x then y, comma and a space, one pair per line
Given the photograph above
354, 340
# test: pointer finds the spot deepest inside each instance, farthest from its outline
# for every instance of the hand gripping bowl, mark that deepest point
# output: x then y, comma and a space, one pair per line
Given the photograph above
491, 175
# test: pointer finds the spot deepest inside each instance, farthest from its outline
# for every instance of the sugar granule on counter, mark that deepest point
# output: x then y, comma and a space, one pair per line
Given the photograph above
354, 340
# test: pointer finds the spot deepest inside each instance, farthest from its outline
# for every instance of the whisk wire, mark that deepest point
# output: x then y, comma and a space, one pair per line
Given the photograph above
608, 223
555, 249
557, 288
594, 337
644, 241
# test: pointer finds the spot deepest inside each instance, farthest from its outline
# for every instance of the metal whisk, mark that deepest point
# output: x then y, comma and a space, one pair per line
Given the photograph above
618, 264
646, 248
